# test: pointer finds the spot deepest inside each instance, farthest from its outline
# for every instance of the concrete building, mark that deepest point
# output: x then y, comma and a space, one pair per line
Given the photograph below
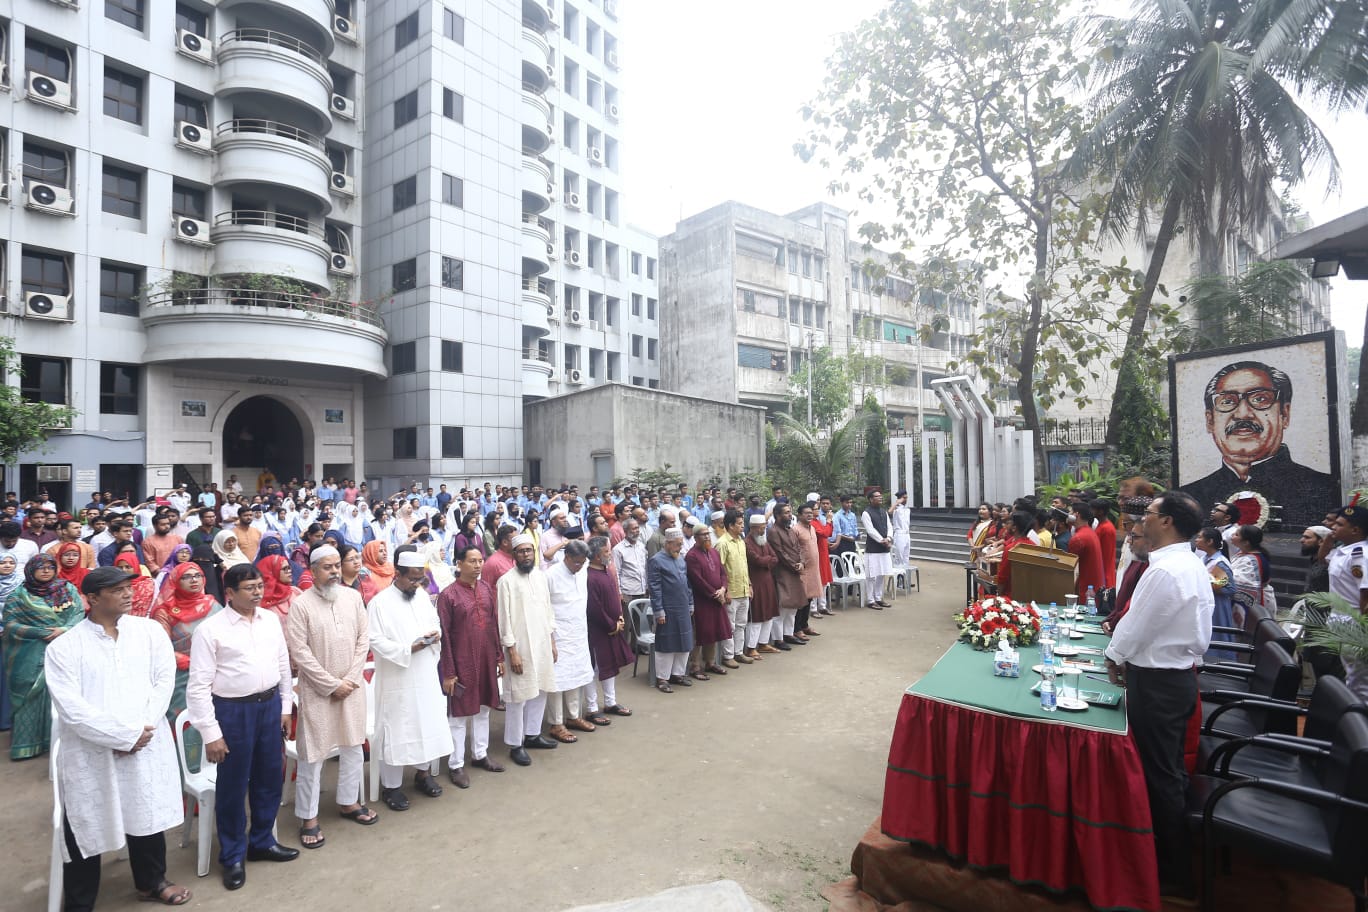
595, 436
309, 234
763, 290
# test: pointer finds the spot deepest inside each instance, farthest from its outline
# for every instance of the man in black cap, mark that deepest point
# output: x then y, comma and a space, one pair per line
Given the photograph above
111, 678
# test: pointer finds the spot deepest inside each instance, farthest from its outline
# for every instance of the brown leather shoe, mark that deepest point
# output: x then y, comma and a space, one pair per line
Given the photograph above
754, 655
562, 734
742, 659
460, 778
583, 725
766, 648
487, 764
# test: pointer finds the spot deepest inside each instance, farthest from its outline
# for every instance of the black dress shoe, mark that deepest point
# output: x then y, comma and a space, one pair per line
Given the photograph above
234, 876
394, 799
276, 852
794, 641
540, 742
783, 644
519, 756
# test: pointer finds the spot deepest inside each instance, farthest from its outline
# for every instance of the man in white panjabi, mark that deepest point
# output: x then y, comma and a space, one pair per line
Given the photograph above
527, 632
110, 678
900, 518
569, 591
410, 708
328, 636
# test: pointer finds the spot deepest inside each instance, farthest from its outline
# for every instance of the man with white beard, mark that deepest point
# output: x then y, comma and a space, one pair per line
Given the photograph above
328, 636
527, 632
410, 708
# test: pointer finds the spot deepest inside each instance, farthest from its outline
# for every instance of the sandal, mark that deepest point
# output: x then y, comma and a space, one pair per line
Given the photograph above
599, 719
315, 833
617, 710
664, 687
424, 783
699, 676
717, 669
362, 815
562, 734
582, 725
158, 894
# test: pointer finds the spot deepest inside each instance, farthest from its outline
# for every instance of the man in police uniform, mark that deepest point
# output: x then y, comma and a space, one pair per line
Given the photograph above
1349, 580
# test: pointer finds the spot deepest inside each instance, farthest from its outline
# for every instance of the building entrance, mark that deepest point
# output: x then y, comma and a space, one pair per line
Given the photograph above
262, 433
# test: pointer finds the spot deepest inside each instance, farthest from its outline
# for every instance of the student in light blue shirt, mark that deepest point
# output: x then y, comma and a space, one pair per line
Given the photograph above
845, 531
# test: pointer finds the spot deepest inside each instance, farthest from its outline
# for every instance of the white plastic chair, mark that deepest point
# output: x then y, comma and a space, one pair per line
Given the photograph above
905, 576
200, 787
840, 578
643, 635
855, 573
58, 837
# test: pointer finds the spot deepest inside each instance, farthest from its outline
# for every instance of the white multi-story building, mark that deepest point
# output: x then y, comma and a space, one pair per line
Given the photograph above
312, 235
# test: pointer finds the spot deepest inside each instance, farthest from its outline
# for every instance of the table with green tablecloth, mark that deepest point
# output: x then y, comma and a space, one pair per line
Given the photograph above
1055, 799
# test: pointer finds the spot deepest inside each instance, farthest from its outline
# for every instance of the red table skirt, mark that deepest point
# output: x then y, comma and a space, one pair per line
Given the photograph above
1046, 804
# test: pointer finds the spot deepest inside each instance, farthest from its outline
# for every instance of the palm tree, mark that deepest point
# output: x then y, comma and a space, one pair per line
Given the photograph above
1191, 125
1262, 303
826, 464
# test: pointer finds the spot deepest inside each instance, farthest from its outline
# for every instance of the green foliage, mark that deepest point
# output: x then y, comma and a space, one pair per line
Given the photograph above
663, 477
1346, 634
801, 460
24, 425
1257, 306
1135, 404
830, 387
957, 116
876, 444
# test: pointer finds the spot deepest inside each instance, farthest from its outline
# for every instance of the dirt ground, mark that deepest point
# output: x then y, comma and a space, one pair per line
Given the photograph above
768, 776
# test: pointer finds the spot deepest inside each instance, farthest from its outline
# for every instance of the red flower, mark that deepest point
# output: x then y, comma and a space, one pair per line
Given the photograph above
989, 627
1016, 631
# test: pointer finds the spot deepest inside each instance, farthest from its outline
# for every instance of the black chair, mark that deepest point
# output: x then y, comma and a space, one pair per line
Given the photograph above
1235, 675
1319, 829
1274, 675
1253, 614
1249, 758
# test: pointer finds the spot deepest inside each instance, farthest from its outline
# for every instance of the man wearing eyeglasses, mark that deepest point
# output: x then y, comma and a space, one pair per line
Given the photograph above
1248, 408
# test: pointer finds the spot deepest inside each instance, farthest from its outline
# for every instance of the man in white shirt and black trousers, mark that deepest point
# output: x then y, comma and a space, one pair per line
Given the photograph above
239, 698
1153, 651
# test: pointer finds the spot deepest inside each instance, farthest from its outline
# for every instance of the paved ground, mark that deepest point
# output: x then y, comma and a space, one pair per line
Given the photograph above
767, 777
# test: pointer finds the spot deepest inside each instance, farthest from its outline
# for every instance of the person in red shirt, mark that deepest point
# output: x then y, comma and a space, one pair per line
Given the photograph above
1106, 537
1084, 543
1018, 530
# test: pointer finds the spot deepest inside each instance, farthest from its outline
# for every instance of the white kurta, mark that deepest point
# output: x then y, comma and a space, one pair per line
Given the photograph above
104, 691
527, 622
570, 603
410, 708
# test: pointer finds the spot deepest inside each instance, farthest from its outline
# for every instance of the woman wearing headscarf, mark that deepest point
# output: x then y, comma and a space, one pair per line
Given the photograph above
470, 535
179, 555
354, 575
36, 613
10, 578
204, 557
182, 605
279, 589
68, 555
227, 550
144, 590
375, 558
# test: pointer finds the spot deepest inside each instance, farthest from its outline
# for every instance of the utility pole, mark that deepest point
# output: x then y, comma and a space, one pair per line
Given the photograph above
810, 366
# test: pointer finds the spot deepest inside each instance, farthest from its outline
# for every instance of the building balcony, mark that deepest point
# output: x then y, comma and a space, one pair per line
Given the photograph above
248, 241
536, 17
262, 61
536, 185
536, 61
267, 151
536, 124
311, 20
536, 247
202, 324
536, 374
536, 308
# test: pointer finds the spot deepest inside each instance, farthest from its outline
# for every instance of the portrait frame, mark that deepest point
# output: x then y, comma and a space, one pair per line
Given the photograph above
1315, 363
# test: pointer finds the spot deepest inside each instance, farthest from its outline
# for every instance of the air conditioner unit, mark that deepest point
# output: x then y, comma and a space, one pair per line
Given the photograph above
54, 473
612, 59
551, 74
551, 253
551, 17
595, 155
613, 111
193, 137
345, 29
66, 4
196, 47
342, 264
192, 231
572, 257
575, 317
46, 90
47, 198
40, 305
572, 200
573, 375
344, 107
343, 184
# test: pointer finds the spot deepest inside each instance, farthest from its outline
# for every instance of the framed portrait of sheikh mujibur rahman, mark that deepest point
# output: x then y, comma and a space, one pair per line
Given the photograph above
1271, 419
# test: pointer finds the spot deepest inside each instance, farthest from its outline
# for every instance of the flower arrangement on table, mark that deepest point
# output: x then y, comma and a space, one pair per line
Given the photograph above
988, 620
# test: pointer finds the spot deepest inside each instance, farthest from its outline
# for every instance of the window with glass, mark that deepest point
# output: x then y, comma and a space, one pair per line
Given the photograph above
189, 202
404, 275
190, 109
453, 26
406, 31
636, 305
636, 264
453, 191
650, 267
126, 12
122, 191
119, 286
192, 20
406, 443
453, 105
453, 273
123, 96
650, 308
41, 272
453, 442
405, 193
406, 109
404, 358
44, 379
51, 60
652, 349
636, 346
44, 165
453, 356
119, 388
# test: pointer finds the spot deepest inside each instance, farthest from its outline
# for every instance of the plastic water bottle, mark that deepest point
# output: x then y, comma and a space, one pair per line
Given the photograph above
1048, 624
1092, 602
1047, 688
1047, 653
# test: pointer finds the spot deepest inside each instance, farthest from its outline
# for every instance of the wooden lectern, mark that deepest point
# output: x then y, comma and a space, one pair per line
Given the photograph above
1042, 575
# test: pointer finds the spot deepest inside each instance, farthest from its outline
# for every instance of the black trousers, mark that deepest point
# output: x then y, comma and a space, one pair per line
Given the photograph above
800, 622
81, 876
1160, 702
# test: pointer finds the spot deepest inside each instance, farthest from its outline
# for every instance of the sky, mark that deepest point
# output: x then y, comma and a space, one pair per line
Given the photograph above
711, 96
